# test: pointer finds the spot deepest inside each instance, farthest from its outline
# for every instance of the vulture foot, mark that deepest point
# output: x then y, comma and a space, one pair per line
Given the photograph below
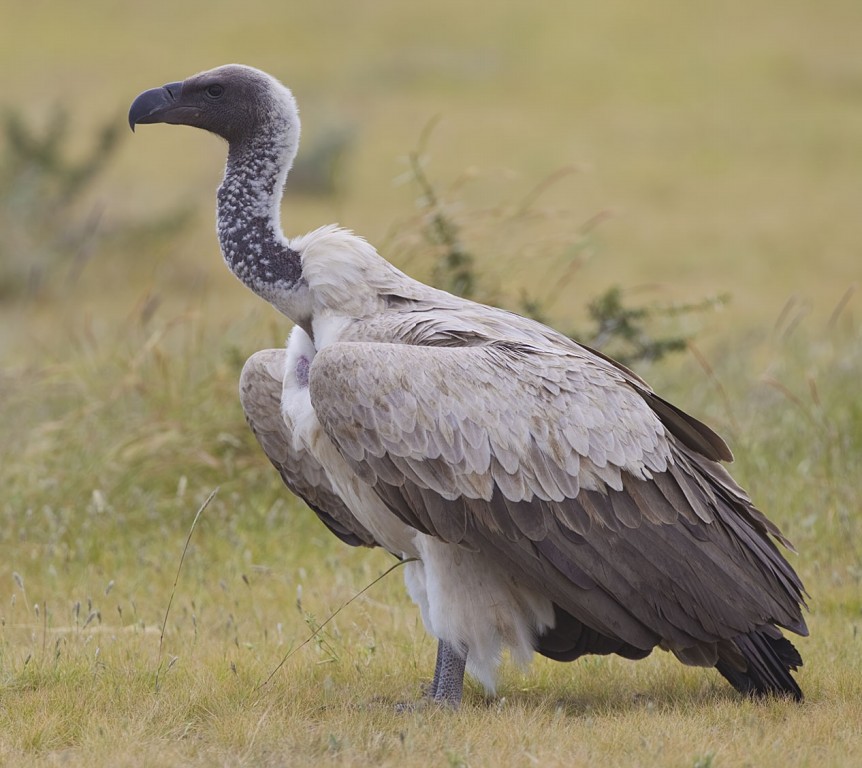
448, 684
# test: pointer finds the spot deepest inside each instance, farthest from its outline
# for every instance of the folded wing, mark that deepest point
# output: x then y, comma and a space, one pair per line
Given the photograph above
579, 481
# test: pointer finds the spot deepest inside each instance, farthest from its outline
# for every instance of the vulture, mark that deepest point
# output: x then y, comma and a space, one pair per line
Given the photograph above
547, 498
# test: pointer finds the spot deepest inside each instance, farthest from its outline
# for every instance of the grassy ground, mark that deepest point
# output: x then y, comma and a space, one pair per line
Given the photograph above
110, 455
726, 146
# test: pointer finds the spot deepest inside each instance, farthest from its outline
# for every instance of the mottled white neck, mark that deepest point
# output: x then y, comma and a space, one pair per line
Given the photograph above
248, 213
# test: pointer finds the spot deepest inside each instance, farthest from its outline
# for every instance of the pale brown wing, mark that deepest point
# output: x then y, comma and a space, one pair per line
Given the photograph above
560, 467
260, 393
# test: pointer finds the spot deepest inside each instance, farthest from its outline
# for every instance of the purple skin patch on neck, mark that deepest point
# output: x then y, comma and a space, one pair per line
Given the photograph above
303, 368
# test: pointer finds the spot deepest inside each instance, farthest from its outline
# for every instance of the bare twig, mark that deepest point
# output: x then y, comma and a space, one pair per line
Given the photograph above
44, 627
545, 184
710, 372
317, 631
771, 381
840, 307
177, 578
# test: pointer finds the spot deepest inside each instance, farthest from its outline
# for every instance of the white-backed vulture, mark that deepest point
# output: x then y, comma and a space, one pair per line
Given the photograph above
552, 500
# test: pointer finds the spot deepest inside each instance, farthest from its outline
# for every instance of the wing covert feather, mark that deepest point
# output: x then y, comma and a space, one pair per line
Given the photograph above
450, 414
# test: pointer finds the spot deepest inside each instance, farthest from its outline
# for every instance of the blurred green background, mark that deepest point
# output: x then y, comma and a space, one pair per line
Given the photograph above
720, 143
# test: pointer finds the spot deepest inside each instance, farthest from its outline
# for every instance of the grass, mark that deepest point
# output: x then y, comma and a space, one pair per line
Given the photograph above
114, 444
716, 150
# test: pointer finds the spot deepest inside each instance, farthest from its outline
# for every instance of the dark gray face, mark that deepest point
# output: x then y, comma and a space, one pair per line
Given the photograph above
232, 101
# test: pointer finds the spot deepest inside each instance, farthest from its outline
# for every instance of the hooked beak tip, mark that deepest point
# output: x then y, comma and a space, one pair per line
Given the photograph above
151, 106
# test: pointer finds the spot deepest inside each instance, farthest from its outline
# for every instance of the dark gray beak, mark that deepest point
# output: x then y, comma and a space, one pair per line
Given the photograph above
159, 105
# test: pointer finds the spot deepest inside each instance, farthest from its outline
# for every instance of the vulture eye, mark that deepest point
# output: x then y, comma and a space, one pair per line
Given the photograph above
215, 91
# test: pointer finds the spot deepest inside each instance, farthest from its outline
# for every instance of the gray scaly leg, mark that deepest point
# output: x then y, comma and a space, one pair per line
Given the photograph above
448, 684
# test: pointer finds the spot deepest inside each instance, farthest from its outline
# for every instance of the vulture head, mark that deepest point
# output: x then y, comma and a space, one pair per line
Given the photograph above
232, 101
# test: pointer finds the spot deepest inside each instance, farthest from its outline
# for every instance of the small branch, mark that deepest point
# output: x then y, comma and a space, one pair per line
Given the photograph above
44, 627
177, 578
710, 372
545, 184
317, 631
840, 307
